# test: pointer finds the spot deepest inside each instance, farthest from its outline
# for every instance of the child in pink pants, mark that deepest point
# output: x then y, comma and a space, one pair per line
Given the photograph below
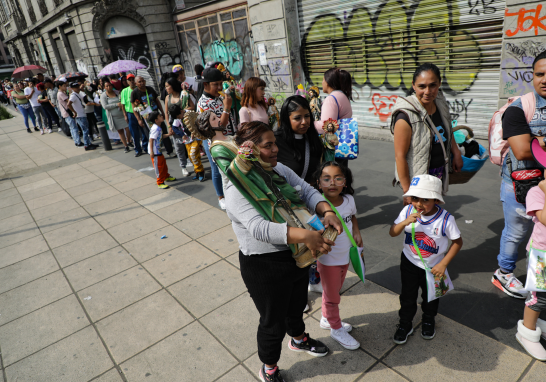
334, 180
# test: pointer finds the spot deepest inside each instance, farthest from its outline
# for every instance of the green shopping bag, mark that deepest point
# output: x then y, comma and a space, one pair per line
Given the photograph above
355, 253
436, 286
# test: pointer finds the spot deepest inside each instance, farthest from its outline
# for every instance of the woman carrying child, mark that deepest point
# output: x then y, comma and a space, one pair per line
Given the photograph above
335, 182
428, 229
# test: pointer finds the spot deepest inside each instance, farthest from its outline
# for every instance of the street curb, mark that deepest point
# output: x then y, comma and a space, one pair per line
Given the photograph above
375, 134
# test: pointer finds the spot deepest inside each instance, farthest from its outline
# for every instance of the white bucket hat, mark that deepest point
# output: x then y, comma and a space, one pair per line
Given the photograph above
426, 187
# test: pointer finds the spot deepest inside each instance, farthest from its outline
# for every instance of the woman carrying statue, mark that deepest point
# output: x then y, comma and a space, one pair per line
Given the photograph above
257, 192
423, 138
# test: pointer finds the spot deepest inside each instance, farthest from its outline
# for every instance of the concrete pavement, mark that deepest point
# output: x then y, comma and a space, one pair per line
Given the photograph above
90, 291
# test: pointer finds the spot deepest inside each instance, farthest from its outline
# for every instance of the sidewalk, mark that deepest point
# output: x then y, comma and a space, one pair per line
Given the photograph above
90, 291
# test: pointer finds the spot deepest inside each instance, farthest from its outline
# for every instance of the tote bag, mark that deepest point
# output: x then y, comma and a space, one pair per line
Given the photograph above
536, 270
347, 135
356, 254
436, 286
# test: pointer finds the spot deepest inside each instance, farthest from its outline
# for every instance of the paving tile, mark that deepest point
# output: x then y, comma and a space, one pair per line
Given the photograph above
29, 297
123, 177
6, 184
65, 169
109, 376
144, 192
134, 184
102, 166
178, 263
10, 201
22, 250
144, 322
72, 174
15, 221
117, 292
182, 210
77, 179
46, 200
458, 352
339, 365
108, 204
96, 161
207, 290
381, 373
136, 228
188, 352
163, 200
34, 186
239, 374
206, 222
112, 171
83, 248
41, 328
9, 192
15, 235
74, 232
65, 218
43, 191
13, 210
151, 245
223, 242
79, 357
30, 179
86, 188
536, 373
234, 324
99, 267
96, 196
121, 215
55, 208
234, 259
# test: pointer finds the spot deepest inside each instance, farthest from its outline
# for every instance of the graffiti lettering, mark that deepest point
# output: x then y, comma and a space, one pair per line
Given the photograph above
485, 7
514, 50
278, 66
278, 84
457, 107
526, 76
161, 45
382, 106
228, 52
533, 48
531, 21
508, 88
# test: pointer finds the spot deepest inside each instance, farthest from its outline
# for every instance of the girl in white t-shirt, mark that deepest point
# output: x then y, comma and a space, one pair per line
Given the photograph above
434, 227
335, 182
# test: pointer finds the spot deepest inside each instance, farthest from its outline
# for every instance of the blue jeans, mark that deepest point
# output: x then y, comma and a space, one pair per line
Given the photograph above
28, 112
40, 116
82, 121
135, 130
515, 228
216, 176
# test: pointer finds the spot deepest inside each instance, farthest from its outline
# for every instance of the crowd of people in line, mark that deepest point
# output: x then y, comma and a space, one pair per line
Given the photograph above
188, 116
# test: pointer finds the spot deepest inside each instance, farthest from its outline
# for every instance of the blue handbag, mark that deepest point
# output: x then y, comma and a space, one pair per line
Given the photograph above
347, 135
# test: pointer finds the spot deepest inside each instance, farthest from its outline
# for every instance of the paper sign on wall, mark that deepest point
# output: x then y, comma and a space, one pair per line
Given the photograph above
261, 54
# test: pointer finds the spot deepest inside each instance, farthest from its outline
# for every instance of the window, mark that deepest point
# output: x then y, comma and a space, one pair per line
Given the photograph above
5, 13
223, 36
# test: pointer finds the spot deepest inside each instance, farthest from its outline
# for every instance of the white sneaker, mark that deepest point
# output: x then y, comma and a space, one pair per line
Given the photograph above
49, 131
530, 340
185, 172
344, 339
324, 324
306, 309
509, 284
315, 288
59, 130
41, 132
222, 203
96, 136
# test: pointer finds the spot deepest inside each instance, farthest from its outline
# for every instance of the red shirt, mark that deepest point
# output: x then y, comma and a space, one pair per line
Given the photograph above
116, 84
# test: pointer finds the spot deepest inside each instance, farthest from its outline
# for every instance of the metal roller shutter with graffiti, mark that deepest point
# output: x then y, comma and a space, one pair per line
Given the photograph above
134, 48
381, 42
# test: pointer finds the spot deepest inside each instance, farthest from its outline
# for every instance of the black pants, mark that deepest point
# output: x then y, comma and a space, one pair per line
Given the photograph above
167, 142
279, 291
414, 277
92, 120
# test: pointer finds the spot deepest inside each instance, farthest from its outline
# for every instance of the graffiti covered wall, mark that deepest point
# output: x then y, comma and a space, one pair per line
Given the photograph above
524, 37
382, 42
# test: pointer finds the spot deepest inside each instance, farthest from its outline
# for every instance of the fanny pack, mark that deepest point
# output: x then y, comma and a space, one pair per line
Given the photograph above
24, 105
524, 180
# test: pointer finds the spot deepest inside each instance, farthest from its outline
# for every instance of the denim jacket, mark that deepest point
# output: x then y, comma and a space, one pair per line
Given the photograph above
538, 128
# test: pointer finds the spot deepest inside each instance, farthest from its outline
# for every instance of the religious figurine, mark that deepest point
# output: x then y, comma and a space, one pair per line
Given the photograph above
314, 102
273, 114
330, 138
205, 125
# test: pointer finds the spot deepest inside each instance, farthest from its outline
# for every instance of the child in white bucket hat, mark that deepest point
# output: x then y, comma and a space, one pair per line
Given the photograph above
433, 227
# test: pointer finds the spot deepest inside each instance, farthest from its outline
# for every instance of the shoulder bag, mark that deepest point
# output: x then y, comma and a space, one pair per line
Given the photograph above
356, 254
536, 270
347, 135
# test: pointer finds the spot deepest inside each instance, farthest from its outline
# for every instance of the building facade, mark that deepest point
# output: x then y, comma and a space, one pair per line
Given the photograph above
484, 48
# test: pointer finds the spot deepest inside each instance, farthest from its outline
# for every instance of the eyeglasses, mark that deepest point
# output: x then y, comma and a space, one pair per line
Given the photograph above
338, 181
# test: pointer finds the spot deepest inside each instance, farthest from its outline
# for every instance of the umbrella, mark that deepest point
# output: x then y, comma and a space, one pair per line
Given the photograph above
70, 76
28, 71
120, 66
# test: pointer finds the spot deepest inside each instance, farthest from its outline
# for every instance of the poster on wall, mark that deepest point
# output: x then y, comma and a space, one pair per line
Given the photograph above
261, 54
41, 49
180, 4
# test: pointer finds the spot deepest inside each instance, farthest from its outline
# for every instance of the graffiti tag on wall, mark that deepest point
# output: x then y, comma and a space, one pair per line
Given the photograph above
228, 52
527, 19
382, 105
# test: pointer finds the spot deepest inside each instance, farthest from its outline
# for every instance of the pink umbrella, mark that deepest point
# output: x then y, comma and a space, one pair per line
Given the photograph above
28, 71
121, 66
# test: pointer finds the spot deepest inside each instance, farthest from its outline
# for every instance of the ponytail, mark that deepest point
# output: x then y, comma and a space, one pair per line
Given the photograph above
339, 79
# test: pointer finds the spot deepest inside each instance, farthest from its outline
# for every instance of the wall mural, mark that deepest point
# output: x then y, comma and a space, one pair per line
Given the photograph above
382, 45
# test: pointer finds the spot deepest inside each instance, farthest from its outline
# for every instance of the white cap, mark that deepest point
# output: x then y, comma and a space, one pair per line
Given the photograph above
426, 187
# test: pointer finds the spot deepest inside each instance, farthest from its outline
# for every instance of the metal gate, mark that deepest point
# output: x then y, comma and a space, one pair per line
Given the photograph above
135, 48
381, 43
